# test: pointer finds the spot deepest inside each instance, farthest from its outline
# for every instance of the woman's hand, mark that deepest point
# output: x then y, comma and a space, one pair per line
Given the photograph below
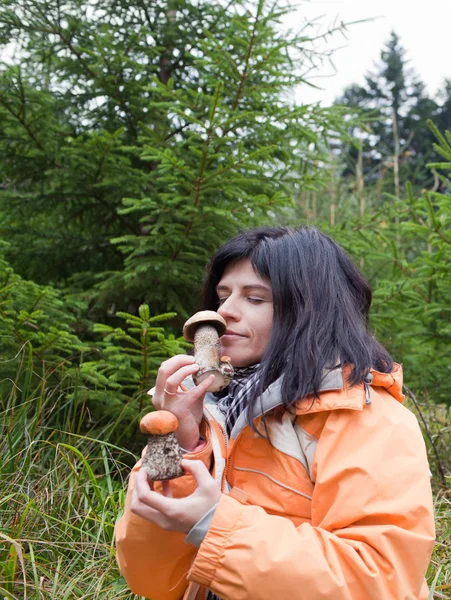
186, 406
175, 514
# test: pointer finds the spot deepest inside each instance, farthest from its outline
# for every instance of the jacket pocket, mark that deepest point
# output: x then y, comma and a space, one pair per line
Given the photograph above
274, 480
276, 494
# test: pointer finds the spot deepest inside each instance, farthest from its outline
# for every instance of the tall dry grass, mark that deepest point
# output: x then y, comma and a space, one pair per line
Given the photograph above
435, 421
63, 490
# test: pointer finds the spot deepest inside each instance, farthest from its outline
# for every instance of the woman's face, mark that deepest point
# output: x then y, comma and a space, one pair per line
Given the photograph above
245, 302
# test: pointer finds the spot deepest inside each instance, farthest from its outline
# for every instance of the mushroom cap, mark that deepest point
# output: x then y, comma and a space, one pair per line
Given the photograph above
203, 317
159, 422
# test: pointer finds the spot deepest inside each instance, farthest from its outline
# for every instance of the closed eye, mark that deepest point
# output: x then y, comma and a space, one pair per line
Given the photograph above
249, 298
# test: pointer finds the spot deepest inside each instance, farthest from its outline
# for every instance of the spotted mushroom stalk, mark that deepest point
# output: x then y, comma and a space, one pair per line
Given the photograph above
204, 329
163, 454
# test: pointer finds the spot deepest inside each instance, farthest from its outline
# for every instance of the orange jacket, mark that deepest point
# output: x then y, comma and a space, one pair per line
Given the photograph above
338, 506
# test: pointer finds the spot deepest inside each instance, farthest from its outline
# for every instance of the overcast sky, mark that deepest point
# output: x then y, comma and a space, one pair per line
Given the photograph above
423, 27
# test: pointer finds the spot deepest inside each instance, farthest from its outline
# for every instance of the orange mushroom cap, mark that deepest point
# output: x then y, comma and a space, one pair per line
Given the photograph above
160, 422
204, 317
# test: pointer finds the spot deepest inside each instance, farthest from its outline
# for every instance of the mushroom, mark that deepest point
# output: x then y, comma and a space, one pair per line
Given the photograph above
204, 329
163, 454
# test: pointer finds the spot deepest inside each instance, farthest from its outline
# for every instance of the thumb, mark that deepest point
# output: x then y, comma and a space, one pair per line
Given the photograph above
200, 390
198, 470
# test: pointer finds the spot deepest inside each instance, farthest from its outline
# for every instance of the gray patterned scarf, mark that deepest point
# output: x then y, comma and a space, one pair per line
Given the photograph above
233, 400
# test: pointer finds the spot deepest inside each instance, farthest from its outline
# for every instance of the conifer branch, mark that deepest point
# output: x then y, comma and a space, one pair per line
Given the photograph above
24, 124
94, 76
20, 118
441, 468
211, 30
199, 180
248, 57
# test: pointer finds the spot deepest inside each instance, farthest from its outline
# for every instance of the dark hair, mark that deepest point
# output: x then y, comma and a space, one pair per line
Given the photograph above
321, 303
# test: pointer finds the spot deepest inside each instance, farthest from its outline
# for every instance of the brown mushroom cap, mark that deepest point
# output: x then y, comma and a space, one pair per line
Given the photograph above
159, 422
204, 317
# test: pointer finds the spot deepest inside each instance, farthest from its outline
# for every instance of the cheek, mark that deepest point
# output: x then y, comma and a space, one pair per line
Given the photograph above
263, 328
265, 335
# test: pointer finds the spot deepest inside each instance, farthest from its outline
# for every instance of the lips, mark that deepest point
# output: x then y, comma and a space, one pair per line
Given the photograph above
233, 333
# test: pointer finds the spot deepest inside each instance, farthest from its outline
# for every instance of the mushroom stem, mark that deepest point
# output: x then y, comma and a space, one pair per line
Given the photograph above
163, 457
206, 349
204, 329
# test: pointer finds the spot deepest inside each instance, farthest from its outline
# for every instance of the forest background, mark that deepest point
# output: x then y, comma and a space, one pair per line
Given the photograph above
135, 137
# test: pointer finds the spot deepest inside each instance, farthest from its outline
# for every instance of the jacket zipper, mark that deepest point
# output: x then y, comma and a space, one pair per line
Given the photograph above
226, 443
367, 381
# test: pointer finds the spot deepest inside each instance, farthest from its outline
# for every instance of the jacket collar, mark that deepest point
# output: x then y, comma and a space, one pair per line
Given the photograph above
333, 380
335, 393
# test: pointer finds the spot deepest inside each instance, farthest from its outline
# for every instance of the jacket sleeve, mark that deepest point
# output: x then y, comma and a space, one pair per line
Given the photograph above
372, 527
155, 562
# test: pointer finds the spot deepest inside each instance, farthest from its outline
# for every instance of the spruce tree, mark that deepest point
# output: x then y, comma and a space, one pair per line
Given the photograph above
397, 143
443, 120
136, 136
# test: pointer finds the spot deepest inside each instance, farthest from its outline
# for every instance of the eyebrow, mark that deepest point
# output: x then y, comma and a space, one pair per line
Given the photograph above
256, 286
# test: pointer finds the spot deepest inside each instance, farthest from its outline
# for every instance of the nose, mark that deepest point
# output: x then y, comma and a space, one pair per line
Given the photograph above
229, 309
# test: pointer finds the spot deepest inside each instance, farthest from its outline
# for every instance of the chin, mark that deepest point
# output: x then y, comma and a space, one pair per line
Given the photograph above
239, 359
239, 362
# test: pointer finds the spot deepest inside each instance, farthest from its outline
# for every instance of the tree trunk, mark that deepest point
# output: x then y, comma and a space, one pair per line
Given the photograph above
360, 183
396, 169
333, 197
307, 205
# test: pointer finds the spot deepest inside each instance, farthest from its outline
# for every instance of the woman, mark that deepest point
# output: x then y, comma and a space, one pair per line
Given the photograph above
306, 478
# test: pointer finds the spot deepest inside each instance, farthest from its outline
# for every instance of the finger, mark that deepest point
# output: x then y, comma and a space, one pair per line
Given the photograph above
167, 491
142, 481
162, 504
199, 391
169, 367
141, 490
143, 494
173, 382
140, 508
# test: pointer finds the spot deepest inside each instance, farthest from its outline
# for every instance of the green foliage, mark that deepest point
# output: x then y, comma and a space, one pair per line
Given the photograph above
439, 572
104, 381
131, 357
426, 290
62, 493
145, 134
405, 252
119, 376
135, 138
61, 496
36, 329
393, 144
